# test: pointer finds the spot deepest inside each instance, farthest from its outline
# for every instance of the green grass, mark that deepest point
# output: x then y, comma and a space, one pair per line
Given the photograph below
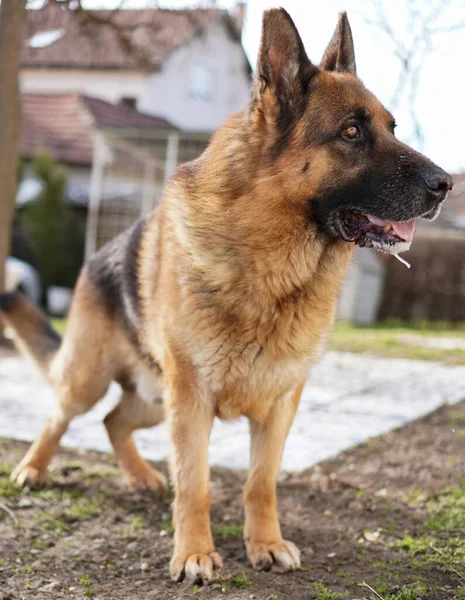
437, 543
413, 592
87, 583
5, 470
447, 511
9, 490
59, 325
83, 509
49, 494
240, 581
438, 328
167, 526
342, 574
133, 527
456, 417
441, 542
385, 339
40, 544
324, 593
228, 530
415, 545
51, 523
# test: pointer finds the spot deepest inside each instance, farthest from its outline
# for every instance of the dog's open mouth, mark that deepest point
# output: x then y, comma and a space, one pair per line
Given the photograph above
367, 231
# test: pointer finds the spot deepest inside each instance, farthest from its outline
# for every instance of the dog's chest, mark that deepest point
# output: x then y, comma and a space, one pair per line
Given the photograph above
245, 375
248, 351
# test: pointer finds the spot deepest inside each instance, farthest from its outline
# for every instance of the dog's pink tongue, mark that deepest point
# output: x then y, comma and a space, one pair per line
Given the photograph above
403, 229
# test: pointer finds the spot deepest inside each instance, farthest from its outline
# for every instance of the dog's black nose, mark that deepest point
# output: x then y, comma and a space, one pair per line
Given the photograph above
438, 181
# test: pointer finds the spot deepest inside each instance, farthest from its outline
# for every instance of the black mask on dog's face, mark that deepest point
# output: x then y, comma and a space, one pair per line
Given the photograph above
363, 185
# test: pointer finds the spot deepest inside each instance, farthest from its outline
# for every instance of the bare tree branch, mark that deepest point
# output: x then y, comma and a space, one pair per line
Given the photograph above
422, 26
447, 28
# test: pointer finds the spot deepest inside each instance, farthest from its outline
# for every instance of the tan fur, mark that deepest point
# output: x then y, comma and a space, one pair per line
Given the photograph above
265, 545
95, 351
28, 323
238, 290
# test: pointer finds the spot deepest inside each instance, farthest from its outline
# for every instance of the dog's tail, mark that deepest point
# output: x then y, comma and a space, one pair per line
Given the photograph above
33, 334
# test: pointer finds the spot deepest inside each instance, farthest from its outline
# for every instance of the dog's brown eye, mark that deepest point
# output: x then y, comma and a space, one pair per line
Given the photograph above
351, 133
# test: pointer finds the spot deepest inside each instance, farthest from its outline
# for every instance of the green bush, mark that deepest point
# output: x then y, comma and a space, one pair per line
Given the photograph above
55, 241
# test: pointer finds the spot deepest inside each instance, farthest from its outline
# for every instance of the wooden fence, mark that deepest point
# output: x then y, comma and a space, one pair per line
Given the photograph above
434, 288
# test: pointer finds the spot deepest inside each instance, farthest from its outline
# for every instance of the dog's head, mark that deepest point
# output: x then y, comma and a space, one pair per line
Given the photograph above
331, 143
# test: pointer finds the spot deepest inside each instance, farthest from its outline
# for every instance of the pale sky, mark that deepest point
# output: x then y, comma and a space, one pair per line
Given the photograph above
441, 97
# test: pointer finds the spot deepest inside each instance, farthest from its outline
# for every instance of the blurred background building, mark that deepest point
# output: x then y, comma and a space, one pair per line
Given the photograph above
121, 99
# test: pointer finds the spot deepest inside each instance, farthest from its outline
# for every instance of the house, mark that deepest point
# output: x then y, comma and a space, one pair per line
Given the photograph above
111, 181
123, 96
186, 66
65, 124
116, 157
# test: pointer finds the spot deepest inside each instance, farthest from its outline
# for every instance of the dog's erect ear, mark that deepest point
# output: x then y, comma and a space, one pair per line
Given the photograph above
340, 55
283, 70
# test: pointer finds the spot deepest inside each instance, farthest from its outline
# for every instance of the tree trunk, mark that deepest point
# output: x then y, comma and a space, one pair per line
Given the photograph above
12, 13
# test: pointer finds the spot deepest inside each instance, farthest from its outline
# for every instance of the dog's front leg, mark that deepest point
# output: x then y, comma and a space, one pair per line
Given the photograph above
191, 418
265, 545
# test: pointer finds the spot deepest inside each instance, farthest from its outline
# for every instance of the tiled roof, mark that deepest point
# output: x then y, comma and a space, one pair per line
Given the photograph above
110, 115
128, 39
63, 123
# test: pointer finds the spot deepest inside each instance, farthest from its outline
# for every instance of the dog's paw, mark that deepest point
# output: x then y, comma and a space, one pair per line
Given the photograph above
146, 479
196, 568
280, 556
29, 476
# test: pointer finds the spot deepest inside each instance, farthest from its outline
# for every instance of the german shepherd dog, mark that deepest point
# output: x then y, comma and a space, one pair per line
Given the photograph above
219, 302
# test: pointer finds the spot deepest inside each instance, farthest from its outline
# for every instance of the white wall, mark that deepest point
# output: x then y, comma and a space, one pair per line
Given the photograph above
361, 293
168, 93
108, 85
347, 304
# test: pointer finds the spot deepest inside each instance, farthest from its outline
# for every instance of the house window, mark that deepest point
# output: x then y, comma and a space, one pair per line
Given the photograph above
129, 101
201, 82
42, 39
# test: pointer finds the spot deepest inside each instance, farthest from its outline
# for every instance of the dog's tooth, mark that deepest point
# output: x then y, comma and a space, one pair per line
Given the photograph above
387, 227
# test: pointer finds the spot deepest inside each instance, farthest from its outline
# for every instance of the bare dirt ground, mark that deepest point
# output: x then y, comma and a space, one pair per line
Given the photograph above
390, 513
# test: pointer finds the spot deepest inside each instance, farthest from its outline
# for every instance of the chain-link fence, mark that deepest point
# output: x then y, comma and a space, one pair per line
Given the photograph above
128, 175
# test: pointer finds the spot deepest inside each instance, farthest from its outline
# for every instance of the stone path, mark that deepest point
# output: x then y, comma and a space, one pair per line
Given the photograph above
348, 398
